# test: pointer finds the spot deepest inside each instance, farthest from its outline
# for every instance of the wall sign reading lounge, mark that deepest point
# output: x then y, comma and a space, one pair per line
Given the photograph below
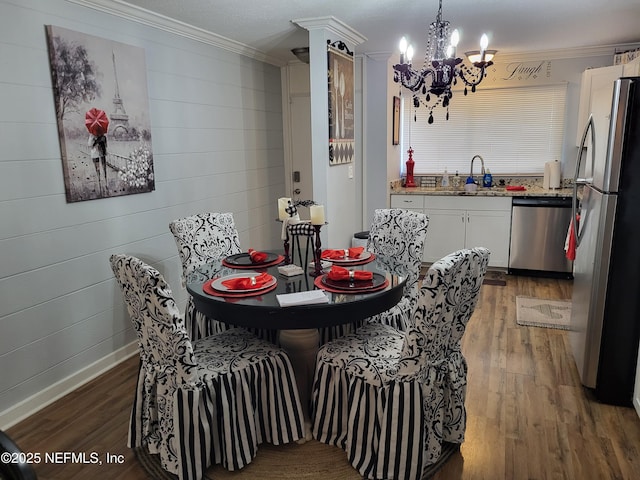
102, 111
341, 94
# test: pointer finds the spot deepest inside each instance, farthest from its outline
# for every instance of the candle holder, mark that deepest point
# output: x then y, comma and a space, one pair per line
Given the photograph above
287, 258
317, 254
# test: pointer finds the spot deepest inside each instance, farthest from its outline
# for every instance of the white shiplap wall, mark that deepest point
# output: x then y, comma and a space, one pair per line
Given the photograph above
216, 126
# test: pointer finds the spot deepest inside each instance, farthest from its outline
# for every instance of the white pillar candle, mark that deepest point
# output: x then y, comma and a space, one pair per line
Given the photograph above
317, 214
282, 204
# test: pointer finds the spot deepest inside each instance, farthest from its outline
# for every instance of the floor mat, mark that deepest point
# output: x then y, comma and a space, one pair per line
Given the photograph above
537, 312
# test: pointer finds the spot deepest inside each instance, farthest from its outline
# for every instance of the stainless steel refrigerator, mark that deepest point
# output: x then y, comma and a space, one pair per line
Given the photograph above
605, 316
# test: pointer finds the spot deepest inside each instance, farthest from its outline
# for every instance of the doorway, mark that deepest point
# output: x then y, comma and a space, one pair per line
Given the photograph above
301, 168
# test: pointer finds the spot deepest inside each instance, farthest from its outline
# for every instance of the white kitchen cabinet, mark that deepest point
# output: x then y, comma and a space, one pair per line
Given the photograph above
467, 222
446, 233
457, 222
631, 69
593, 80
490, 229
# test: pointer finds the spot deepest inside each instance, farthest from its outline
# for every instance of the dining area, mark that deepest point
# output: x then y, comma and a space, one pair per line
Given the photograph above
347, 349
196, 393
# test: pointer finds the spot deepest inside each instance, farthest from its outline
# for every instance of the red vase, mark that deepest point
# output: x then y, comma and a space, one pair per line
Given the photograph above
410, 164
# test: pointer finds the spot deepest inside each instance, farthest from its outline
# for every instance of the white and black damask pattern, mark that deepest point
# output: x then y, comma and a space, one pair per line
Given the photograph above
400, 234
473, 272
202, 238
398, 237
383, 395
207, 402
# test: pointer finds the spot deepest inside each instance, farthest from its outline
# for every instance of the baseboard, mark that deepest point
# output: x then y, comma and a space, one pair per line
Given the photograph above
36, 402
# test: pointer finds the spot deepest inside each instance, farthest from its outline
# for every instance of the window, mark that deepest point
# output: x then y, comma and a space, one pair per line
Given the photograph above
516, 130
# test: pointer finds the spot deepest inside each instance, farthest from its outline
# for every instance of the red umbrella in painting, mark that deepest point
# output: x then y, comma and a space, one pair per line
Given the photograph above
96, 121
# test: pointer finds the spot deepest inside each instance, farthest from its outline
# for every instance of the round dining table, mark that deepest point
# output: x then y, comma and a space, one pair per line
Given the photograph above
264, 310
298, 326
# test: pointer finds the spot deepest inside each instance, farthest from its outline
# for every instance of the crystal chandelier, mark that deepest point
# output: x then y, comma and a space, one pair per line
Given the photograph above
431, 86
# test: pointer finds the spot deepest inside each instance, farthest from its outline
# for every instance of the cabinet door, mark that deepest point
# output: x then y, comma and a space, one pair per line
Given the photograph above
490, 229
593, 80
631, 69
445, 233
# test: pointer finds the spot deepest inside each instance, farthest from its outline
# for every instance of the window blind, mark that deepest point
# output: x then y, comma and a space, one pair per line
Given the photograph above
515, 129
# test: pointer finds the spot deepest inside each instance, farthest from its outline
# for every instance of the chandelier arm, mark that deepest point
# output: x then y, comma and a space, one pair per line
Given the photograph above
475, 77
411, 79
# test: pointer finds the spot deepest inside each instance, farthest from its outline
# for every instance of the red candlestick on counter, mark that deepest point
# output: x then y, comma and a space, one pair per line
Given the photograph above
410, 164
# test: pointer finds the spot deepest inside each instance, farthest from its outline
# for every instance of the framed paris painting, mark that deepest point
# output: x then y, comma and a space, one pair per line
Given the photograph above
102, 113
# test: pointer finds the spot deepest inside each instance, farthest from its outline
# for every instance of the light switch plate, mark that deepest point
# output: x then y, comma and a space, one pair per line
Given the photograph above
350, 171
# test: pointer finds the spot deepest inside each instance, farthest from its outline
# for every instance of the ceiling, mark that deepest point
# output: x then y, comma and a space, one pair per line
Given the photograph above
513, 26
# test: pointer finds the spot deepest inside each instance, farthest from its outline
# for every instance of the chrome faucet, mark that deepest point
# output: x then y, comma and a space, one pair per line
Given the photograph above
482, 172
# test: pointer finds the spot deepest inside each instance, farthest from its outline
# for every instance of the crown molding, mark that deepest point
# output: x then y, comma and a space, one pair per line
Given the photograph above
564, 53
142, 16
333, 25
378, 56
539, 55
145, 17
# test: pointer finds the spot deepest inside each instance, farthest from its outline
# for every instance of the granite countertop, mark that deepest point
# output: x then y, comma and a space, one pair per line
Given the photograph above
533, 188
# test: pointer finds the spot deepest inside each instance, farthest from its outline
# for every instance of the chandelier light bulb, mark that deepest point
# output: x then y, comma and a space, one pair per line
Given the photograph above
484, 42
455, 38
410, 53
450, 51
403, 45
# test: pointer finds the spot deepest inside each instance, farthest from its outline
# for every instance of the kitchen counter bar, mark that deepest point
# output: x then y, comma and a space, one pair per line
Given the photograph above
531, 191
532, 184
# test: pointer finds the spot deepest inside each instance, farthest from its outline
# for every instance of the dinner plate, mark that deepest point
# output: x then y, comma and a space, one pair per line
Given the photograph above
361, 258
217, 283
244, 259
355, 285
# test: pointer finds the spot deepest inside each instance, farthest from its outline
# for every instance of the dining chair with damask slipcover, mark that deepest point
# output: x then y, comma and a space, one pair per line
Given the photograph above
211, 401
400, 234
202, 238
380, 394
455, 418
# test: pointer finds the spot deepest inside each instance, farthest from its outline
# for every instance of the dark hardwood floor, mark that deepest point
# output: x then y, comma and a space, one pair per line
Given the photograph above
528, 415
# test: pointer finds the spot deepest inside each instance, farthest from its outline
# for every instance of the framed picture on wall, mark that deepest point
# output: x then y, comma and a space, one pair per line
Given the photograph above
102, 112
341, 113
395, 134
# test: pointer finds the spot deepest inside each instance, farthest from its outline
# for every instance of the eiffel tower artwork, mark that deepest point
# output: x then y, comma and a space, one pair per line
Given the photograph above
119, 118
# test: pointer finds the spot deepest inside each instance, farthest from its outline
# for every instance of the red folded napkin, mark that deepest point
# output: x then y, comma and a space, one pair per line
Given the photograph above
353, 252
247, 283
257, 257
341, 273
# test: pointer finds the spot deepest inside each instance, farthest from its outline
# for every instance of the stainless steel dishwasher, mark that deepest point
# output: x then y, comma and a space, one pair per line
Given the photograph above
538, 231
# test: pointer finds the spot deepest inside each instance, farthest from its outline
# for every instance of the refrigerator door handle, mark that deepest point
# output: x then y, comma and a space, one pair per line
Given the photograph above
590, 127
